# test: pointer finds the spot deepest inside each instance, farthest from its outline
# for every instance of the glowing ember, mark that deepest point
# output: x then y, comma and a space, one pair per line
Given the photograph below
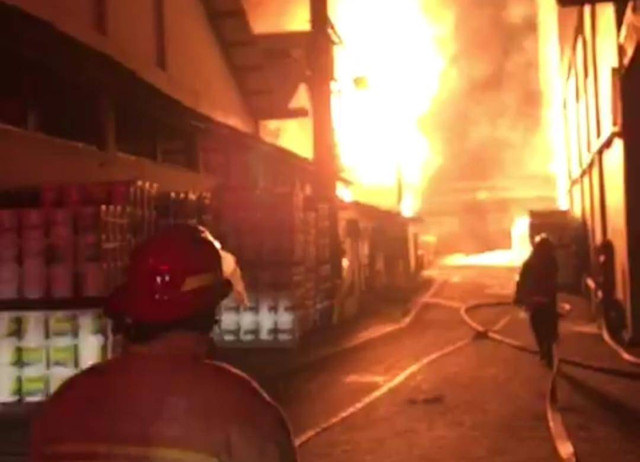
383, 87
408, 206
513, 257
344, 193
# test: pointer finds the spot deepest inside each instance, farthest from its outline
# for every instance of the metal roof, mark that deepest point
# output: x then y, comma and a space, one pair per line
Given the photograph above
268, 68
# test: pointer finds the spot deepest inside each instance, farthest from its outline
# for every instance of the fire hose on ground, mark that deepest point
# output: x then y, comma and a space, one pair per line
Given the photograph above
560, 436
561, 439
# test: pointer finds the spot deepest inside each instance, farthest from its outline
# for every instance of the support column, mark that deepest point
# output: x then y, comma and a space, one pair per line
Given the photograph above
321, 78
324, 152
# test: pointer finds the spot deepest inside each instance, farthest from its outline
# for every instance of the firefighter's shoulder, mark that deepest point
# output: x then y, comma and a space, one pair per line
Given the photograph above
236, 380
242, 392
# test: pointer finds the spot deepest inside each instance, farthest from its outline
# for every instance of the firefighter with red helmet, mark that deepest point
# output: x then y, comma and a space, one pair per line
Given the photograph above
537, 291
161, 399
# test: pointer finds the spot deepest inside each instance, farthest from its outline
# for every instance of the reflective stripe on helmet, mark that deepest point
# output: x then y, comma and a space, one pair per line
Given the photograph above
198, 281
103, 452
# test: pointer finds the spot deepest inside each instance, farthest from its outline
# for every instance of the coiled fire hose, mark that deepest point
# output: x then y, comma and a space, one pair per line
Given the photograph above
562, 442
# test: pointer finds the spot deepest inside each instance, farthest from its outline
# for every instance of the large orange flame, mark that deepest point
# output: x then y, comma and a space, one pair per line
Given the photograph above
388, 71
507, 258
551, 84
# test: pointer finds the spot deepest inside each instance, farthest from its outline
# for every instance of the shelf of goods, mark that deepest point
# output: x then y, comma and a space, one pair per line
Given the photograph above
62, 250
265, 230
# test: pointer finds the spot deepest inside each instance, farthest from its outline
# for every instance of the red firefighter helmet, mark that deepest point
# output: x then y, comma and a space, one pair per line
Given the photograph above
172, 276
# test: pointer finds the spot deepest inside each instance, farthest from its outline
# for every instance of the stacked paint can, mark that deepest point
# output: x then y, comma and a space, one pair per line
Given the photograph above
9, 254
70, 241
10, 381
40, 350
61, 245
185, 207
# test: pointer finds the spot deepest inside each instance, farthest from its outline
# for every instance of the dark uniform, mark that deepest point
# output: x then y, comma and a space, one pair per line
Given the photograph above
537, 291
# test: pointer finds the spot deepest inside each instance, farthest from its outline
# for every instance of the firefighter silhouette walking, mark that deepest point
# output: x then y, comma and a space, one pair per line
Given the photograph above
537, 291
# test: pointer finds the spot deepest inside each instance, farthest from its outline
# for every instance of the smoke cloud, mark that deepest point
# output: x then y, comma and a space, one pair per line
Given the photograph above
485, 123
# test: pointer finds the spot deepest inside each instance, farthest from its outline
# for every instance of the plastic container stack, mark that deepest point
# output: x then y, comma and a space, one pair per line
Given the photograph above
265, 230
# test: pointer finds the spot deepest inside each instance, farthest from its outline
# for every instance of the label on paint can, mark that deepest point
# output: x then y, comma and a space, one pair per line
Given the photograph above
61, 218
9, 384
9, 351
33, 328
34, 281
32, 219
8, 219
90, 349
62, 352
9, 281
33, 243
61, 280
61, 324
32, 355
34, 383
89, 323
62, 244
88, 219
92, 279
9, 246
59, 375
9, 325
88, 248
